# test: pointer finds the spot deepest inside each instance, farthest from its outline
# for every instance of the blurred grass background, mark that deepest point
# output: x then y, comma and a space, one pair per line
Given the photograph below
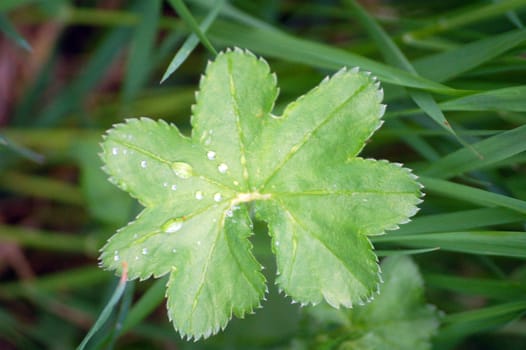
454, 76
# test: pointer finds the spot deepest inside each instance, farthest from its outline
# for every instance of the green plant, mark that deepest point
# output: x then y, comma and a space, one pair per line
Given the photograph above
453, 74
319, 200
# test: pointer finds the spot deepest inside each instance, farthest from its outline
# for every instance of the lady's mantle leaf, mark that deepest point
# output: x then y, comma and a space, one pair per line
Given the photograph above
398, 319
319, 199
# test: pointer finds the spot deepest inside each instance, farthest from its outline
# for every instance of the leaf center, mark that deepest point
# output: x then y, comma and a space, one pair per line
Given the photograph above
251, 196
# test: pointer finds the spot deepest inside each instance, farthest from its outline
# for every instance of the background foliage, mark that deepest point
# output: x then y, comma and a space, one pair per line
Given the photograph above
453, 74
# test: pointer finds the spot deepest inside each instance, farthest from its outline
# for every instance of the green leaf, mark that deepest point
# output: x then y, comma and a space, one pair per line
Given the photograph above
398, 319
318, 198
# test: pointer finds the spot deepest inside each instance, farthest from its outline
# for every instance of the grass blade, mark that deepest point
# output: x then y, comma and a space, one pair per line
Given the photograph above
139, 56
23, 151
396, 57
459, 325
93, 71
508, 99
191, 42
492, 149
459, 221
417, 143
405, 251
121, 315
496, 289
440, 67
469, 14
10, 31
187, 17
108, 309
486, 313
7, 5
48, 240
148, 302
502, 243
71, 279
277, 44
471, 194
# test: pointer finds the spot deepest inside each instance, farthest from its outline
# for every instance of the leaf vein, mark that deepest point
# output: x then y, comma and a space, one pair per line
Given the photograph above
237, 113
313, 235
294, 149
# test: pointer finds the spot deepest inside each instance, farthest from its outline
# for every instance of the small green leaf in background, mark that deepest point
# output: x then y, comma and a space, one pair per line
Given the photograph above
302, 171
398, 319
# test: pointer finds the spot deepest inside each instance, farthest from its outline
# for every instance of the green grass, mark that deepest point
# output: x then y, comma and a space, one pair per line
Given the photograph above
454, 78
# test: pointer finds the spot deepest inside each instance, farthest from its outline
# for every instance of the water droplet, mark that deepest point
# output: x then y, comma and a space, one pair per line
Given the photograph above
165, 184
199, 195
211, 155
182, 170
136, 257
125, 151
116, 258
114, 151
277, 243
217, 197
172, 225
174, 187
236, 183
135, 236
198, 242
174, 250
144, 251
222, 168
144, 164
365, 200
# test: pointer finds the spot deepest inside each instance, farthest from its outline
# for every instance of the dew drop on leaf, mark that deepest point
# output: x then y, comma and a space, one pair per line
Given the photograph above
172, 225
211, 155
144, 251
182, 170
199, 195
222, 168
114, 151
174, 187
217, 197
144, 164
